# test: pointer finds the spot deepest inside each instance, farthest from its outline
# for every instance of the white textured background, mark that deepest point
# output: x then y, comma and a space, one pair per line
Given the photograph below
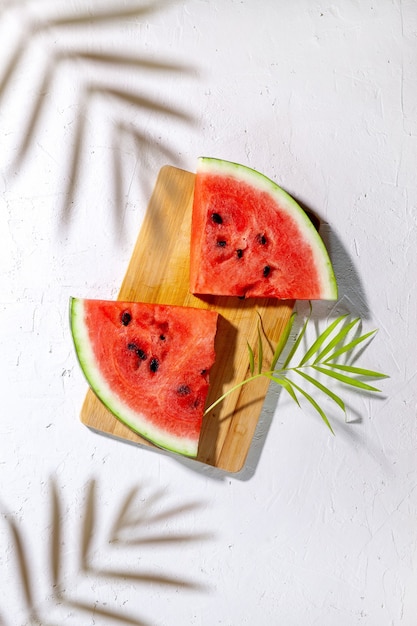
322, 97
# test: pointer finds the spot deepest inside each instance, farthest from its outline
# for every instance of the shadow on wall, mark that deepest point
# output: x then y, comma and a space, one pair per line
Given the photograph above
87, 92
352, 295
139, 523
351, 292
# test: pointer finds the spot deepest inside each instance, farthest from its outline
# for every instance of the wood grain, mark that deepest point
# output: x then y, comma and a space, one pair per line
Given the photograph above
159, 272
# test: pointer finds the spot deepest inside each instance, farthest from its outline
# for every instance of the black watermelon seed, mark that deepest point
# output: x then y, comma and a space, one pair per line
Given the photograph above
261, 239
221, 243
126, 318
183, 390
141, 354
153, 365
162, 337
266, 271
239, 253
203, 372
217, 219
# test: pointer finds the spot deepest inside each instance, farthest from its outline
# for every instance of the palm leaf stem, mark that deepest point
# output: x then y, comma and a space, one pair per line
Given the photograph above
231, 390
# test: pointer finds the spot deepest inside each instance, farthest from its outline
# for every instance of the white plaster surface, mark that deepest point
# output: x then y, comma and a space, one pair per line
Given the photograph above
321, 96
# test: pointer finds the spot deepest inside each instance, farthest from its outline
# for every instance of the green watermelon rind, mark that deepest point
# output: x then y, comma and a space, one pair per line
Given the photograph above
211, 165
135, 421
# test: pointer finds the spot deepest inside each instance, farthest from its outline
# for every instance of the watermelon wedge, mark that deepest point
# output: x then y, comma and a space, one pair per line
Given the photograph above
249, 238
149, 364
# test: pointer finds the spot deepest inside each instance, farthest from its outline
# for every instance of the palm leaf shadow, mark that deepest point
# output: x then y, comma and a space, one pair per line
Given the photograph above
23, 569
125, 137
55, 543
104, 90
24, 573
128, 521
35, 28
124, 520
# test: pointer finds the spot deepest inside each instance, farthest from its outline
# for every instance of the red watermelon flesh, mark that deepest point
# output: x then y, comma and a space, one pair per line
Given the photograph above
249, 238
149, 364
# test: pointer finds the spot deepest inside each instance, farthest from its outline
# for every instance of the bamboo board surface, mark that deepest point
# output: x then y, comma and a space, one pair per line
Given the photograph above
159, 272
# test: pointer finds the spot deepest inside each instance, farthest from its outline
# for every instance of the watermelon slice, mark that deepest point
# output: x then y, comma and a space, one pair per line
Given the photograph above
249, 238
149, 364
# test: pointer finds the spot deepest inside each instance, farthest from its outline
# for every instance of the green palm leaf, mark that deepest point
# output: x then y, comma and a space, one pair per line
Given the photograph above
282, 341
315, 405
325, 363
349, 347
357, 371
322, 388
285, 383
336, 340
296, 343
251, 358
321, 339
347, 380
260, 351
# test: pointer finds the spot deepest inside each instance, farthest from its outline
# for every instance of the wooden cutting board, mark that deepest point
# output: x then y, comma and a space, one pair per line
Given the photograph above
158, 272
